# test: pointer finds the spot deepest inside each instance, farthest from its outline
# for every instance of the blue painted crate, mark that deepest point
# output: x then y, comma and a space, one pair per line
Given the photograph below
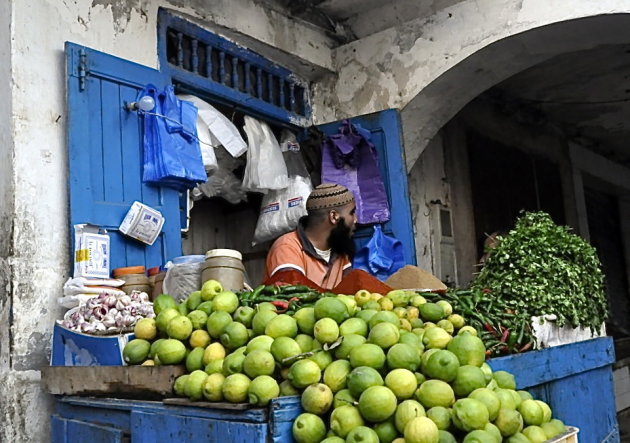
71, 348
575, 380
112, 420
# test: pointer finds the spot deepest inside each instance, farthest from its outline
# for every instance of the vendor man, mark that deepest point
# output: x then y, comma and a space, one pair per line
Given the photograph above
321, 248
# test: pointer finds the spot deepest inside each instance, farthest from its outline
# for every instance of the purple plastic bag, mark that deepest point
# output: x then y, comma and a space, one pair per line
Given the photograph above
349, 159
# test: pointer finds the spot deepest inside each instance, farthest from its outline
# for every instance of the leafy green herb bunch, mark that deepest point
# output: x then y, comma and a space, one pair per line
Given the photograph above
542, 268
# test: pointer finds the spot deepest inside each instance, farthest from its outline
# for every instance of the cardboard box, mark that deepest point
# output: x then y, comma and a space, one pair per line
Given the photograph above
142, 223
91, 251
72, 348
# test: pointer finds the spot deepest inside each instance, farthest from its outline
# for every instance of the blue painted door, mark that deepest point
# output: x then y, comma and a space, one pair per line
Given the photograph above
105, 154
385, 134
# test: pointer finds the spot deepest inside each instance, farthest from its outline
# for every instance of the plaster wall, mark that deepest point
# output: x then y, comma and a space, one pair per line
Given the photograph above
432, 66
6, 182
35, 242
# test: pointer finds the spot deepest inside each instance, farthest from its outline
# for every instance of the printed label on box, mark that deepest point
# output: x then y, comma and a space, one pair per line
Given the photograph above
91, 251
142, 223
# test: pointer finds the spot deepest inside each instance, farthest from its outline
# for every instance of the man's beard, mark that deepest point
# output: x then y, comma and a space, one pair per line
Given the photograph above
340, 240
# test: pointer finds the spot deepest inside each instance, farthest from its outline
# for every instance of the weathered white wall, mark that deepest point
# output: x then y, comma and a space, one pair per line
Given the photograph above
35, 232
6, 182
432, 66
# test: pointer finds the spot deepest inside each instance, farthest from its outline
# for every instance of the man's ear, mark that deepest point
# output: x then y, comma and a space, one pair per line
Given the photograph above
333, 216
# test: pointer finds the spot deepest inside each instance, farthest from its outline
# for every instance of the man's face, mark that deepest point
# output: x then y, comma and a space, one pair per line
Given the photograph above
340, 238
347, 213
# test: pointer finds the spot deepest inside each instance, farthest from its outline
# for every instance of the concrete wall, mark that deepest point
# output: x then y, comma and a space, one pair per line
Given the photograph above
34, 244
432, 66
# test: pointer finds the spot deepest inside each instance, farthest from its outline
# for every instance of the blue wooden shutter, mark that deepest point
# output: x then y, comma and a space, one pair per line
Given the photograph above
384, 128
105, 154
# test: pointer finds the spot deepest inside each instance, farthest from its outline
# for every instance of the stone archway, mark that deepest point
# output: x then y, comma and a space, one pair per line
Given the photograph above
448, 93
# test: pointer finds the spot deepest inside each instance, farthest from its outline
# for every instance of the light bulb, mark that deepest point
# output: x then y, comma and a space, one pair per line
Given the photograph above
146, 103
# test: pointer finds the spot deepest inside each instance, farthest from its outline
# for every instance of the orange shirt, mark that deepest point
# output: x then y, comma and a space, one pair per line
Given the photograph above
294, 251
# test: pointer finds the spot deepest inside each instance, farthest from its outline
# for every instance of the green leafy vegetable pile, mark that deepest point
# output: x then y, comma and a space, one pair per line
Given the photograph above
541, 268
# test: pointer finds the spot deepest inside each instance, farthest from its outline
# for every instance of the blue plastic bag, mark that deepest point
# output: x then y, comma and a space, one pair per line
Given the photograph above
172, 156
381, 256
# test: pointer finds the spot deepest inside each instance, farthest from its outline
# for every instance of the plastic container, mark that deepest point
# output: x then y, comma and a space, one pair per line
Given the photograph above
158, 285
570, 436
225, 266
119, 272
72, 348
135, 279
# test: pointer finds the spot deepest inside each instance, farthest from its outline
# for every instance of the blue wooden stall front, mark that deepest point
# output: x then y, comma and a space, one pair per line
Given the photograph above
78, 419
575, 380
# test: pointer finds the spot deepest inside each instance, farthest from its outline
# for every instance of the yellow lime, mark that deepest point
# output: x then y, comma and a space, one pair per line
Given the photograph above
212, 388
436, 338
402, 382
403, 356
179, 385
362, 378
225, 301
145, 329
282, 325
407, 411
468, 348
305, 318
259, 363
441, 416
331, 307
234, 335
384, 334
470, 414
326, 330
217, 321
262, 390
283, 348
214, 351
164, 317
367, 354
336, 373
193, 388
354, 325
199, 339
308, 428
490, 399
235, 388
194, 360
442, 365
435, 393
210, 289
509, 422
468, 379
317, 399
421, 430
171, 352
304, 372
349, 342
377, 404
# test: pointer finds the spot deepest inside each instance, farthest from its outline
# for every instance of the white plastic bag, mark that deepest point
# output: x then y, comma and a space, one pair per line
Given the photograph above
265, 169
282, 209
221, 130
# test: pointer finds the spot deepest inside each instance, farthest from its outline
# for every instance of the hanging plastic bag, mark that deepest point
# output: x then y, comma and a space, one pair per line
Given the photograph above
349, 159
381, 256
281, 210
207, 142
183, 276
265, 169
172, 156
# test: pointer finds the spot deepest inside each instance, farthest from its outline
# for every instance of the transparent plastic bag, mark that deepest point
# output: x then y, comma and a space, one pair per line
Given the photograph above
265, 169
183, 276
282, 209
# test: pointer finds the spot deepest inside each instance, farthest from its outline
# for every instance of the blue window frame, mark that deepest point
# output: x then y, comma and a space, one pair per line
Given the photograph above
198, 60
